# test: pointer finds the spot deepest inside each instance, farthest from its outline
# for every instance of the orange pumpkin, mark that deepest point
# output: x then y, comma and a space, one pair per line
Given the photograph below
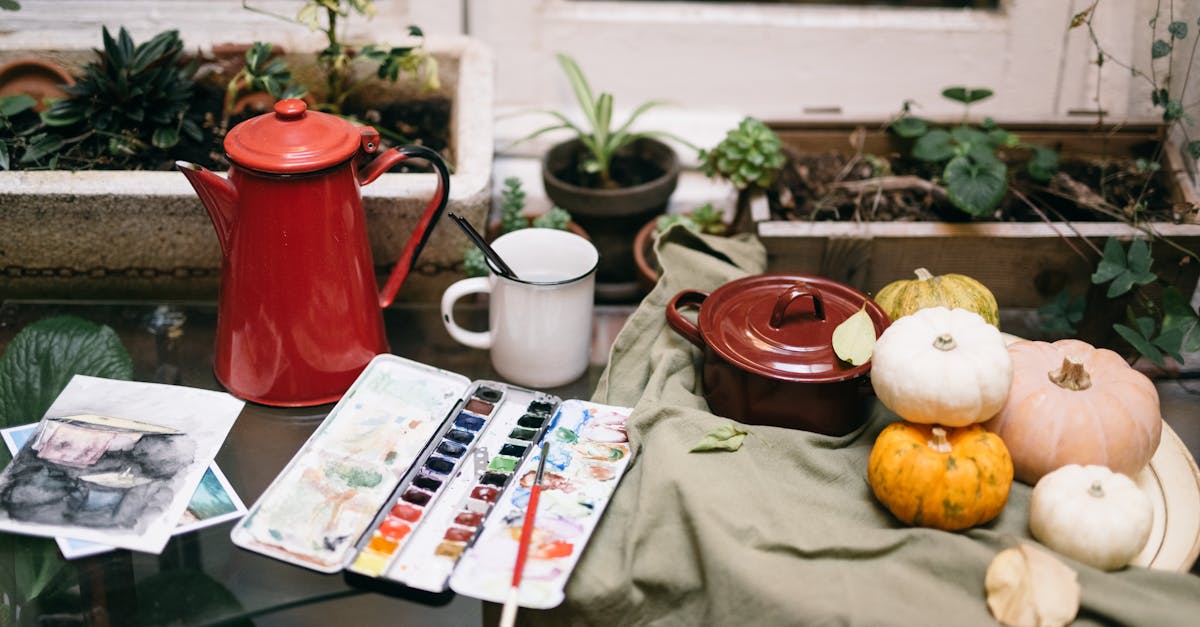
1072, 403
931, 476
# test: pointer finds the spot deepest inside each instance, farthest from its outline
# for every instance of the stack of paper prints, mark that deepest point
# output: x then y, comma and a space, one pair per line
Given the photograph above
116, 463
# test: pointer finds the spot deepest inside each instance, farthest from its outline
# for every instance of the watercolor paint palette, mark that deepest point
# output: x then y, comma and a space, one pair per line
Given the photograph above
410, 469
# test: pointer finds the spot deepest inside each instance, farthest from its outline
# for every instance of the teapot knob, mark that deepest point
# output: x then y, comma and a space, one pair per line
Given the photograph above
290, 109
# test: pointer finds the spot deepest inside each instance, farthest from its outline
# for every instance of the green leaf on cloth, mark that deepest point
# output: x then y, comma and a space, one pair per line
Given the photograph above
854, 338
726, 437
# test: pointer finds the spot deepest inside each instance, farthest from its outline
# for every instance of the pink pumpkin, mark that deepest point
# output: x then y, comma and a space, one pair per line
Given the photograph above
1072, 403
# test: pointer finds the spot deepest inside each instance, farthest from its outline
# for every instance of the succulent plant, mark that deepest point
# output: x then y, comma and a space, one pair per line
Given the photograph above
751, 155
556, 218
512, 203
512, 218
131, 100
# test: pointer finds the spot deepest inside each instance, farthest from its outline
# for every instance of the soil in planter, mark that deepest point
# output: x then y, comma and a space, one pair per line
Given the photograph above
824, 186
625, 170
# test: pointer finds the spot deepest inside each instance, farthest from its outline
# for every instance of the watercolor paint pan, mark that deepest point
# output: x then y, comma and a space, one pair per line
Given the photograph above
418, 565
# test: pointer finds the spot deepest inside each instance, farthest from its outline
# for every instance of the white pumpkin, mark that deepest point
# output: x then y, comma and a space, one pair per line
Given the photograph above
1091, 514
942, 366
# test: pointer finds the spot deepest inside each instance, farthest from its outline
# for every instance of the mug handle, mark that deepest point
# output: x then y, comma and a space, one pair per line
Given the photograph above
477, 285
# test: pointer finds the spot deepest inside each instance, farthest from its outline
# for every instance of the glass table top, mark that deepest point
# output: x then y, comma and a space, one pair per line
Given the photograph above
201, 578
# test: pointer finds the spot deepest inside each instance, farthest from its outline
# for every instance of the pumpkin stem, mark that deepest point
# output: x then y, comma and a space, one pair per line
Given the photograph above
939, 442
1071, 375
945, 342
923, 274
1096, 490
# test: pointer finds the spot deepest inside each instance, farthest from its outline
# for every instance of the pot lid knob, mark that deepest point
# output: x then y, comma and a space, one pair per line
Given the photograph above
290, 109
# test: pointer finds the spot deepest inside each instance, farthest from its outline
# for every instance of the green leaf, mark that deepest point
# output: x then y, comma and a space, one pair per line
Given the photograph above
854, 338
1111, 264
976, 188
10, 5
165, 137
934, 146
970, 137
44, 146
1193, 148
1160, 49
1140, 343
727, 437
1179, 320
62, 113
579, 84
4, 163
1060, 315
1043, 165
14, 104
909, 127
966, 95
41, 359
1178, 30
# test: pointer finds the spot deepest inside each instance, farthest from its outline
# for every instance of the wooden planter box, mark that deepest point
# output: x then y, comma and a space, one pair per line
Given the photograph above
1024, 264
136, 234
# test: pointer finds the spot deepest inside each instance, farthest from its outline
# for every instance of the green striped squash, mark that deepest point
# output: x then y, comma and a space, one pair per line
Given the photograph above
900, 298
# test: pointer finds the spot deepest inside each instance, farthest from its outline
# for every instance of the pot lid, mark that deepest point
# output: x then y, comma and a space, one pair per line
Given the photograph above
292, 140
781, 325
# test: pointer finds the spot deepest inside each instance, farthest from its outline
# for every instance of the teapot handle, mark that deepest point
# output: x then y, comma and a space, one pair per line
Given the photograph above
430, 217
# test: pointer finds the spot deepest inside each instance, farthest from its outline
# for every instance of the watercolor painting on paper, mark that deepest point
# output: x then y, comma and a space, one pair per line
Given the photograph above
115, 462
213, 502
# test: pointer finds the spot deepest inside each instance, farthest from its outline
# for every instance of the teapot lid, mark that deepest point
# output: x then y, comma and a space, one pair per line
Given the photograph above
293, 140
781, 326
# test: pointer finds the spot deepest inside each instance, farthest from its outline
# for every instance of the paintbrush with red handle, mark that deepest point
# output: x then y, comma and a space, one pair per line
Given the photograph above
509, 615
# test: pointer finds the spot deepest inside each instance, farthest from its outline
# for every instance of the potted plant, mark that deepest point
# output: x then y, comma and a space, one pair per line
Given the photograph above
611, 180
750, 157
142, 233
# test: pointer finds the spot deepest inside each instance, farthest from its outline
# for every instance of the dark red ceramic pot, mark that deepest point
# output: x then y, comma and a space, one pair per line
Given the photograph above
768, 351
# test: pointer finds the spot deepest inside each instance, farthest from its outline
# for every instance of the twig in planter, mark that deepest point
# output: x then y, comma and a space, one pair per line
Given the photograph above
892, 183
1047, 220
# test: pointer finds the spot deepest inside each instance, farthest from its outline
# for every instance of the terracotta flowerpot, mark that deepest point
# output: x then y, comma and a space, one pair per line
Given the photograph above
612, 216
648, 270
35, 78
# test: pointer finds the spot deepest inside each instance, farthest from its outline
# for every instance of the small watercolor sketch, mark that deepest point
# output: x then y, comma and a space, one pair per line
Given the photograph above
213, 502
115, 462
589, 451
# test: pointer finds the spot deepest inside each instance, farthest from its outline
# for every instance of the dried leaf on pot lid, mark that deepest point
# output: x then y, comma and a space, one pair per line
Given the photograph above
854, 338
1028, 587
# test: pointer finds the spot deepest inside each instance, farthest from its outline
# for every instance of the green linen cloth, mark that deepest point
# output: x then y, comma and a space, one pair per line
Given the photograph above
784, 531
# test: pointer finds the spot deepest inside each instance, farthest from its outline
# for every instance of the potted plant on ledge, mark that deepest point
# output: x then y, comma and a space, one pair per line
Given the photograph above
611, 180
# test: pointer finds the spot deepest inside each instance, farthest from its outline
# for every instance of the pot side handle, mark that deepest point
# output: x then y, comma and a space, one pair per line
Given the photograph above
682, 325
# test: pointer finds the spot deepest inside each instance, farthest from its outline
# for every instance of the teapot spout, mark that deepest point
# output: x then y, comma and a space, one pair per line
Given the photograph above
219, 196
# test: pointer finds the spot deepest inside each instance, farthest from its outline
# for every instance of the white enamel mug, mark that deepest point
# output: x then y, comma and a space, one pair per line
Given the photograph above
539, 325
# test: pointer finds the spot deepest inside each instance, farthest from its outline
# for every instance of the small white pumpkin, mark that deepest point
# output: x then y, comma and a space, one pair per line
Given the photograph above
942, 366
1091, 514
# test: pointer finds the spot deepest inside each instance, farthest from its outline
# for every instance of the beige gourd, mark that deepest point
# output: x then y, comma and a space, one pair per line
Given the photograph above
1091, 514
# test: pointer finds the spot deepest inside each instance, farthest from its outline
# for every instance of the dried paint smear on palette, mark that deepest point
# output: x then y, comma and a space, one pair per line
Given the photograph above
587, 456
317, 507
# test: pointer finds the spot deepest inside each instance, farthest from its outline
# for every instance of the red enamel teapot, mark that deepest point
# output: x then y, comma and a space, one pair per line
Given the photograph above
300, 313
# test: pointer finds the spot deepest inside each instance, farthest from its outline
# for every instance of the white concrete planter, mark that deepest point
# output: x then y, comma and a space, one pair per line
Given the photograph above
136, 234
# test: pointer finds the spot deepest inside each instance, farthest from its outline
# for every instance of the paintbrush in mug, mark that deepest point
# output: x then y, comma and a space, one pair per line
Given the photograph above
509, 615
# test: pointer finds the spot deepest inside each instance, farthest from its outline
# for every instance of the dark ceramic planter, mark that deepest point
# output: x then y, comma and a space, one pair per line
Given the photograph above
612, 216
768, 356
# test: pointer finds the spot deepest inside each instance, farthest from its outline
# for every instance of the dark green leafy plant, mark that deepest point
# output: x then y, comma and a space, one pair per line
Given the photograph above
338, 59
10, 5
260, 74
14, 136
1156, 328
512, 218
35, 367
133, 102
1060, 316
975, 172
599, 137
